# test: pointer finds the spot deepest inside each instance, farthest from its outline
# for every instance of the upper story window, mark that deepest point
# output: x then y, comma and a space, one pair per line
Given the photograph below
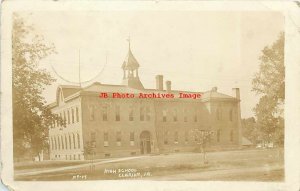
148, 113
219, 114
65, 119
77, 114
164, 113
61, 96
195, 116
231, 136
104, 113
230, 115
175, 115
185, 118
78, 140
142, 113
68, 113
91, 113
131, 113
117, 113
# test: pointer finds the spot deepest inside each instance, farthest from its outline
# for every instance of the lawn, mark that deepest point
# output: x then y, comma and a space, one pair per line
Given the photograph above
248, 165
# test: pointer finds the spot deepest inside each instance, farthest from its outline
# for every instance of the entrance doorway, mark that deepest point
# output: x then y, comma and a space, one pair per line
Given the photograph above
145, 142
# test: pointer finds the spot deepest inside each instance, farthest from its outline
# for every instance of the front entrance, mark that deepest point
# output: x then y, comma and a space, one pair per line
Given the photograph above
145, 142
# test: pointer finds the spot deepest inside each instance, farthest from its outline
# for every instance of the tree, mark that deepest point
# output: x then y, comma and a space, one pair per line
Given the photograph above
202, 138
250, 130
269, 82
31, 117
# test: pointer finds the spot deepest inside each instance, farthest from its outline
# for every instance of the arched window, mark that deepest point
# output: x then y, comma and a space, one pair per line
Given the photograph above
66, 141
78, 141
74, 142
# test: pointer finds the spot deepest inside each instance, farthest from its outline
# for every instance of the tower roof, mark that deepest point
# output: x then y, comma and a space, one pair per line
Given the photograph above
130, 62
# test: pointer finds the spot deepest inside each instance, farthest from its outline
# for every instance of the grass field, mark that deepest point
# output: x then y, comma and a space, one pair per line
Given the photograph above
241, 165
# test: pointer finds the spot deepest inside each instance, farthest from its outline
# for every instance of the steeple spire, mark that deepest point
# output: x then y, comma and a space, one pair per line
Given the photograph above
130, 70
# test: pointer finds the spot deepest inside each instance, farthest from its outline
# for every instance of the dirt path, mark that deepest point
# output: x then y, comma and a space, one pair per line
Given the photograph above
36, 172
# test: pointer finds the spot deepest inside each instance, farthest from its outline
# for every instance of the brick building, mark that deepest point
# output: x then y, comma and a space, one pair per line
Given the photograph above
114, 127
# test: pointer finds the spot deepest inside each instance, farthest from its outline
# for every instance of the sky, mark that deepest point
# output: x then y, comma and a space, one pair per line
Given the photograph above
196, 50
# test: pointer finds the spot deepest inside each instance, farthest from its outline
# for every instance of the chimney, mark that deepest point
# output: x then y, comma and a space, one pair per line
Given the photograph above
168, 86
236, 93
159, 82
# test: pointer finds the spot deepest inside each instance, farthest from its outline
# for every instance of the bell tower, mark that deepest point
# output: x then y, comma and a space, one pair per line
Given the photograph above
130, 68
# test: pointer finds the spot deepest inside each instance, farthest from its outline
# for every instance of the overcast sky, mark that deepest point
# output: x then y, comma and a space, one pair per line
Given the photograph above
195, 50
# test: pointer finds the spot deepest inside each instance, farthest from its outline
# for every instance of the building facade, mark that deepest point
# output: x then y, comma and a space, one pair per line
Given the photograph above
100, 121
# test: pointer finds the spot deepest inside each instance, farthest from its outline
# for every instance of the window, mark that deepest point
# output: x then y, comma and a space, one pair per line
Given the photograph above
186, 136
59, 123
105, 137
51, 143
148, 113
78, 140
130, 113
164, 112
185, 119
77, 114
66, 141
231, 135
176, 137
117, 113
58, 140
65, 119
219, 114
55, 143
166, 137
118, 137
142, 113
70, 143
218, 135
74, 142
91, 113
93, 136
61, 96
72, 115
230, 115
62, 142
131, 136
104, 113
68, 117
175, 115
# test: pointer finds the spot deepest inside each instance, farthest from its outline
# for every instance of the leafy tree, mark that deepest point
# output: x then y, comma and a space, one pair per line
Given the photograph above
250, 130
31, 117
269, 82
